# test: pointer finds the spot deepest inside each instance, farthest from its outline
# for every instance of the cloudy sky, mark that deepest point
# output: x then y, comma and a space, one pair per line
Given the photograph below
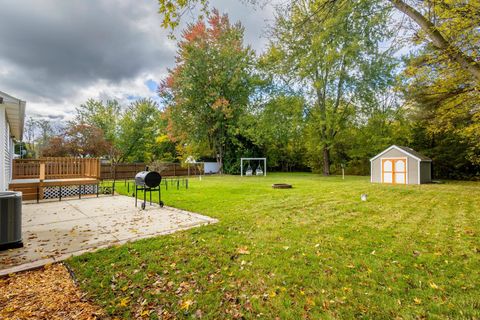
56, 54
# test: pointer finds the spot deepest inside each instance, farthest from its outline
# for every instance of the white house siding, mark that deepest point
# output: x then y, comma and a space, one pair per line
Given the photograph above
211, 167
4, 149
11, 152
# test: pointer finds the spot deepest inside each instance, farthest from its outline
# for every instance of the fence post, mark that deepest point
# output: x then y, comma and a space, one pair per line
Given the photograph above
99, 168
42, 171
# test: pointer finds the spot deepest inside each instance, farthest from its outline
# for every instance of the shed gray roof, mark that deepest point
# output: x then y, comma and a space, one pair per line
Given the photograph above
407, 150
415, 153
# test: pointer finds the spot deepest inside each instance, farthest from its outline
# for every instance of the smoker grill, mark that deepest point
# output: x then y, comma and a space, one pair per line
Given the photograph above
10, 220
148, 181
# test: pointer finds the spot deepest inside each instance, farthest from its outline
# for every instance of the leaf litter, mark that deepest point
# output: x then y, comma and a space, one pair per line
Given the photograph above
46, 293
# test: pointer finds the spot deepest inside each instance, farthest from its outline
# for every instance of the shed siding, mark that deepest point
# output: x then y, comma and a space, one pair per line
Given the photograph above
376, 173
412, 170
425, 172
412, 165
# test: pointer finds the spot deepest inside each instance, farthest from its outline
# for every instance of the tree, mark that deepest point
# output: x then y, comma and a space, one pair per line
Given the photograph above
101, 115
56, 147
336, 61
279, 131
83, 140
452, 28
208, 90
29, 134
441, 81
378, 124
139, 129
447, 24
29, 130
45, 133
79, 140
105, 116
445, 101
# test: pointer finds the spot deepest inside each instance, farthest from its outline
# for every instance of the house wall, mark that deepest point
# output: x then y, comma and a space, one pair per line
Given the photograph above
412, 166
6, 151
425, 172
211, 167
3, 149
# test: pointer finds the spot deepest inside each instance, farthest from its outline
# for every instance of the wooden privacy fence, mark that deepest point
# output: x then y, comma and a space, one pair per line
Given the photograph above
56, 168
121, 171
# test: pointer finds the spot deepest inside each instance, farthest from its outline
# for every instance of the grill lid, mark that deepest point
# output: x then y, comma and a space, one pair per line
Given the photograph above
149, 179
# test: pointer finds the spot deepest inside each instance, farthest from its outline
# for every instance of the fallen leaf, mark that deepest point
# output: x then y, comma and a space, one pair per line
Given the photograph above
310, 302
185, 305
243, 250
124, 302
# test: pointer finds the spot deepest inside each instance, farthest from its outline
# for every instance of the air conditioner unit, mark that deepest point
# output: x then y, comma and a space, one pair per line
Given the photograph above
10, 220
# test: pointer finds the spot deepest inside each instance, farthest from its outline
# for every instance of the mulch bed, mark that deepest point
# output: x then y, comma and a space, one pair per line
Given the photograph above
46, 293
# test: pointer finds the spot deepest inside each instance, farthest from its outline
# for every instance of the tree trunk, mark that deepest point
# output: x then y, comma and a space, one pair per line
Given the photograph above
326, 161
220, 159
455, 53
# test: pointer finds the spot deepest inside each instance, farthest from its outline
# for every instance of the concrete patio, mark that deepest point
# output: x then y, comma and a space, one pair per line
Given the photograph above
55, 231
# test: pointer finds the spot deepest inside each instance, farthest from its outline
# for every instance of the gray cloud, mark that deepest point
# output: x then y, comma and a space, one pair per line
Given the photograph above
55, 54
57, 46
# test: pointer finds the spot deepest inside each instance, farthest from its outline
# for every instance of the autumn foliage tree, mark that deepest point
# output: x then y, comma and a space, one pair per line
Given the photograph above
78, 140
338, 63
442, 81
208, 90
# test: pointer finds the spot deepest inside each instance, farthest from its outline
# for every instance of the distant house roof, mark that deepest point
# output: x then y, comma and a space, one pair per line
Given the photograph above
414, 154
15, 109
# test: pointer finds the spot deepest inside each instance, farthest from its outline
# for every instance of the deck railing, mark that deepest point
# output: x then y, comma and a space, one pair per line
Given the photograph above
56, 168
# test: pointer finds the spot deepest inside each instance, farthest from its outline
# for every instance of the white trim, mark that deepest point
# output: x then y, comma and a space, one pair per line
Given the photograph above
371, 172
406, 172
399, 149
3, 141
419, 173
15, 113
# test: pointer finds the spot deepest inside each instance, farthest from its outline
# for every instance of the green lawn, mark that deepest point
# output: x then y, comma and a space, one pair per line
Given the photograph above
315, 251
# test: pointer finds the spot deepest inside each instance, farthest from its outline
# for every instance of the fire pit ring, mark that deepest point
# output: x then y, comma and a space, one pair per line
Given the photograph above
281, 186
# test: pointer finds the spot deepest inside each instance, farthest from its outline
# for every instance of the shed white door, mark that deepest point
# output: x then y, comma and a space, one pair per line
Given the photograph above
394, 171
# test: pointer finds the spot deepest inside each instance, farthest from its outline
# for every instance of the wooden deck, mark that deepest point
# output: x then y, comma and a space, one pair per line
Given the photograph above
38, 178
33, 189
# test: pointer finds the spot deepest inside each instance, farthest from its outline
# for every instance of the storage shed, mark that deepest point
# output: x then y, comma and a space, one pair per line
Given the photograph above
400, 165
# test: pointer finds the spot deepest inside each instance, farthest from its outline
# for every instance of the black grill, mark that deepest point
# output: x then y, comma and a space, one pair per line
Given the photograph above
148, 181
